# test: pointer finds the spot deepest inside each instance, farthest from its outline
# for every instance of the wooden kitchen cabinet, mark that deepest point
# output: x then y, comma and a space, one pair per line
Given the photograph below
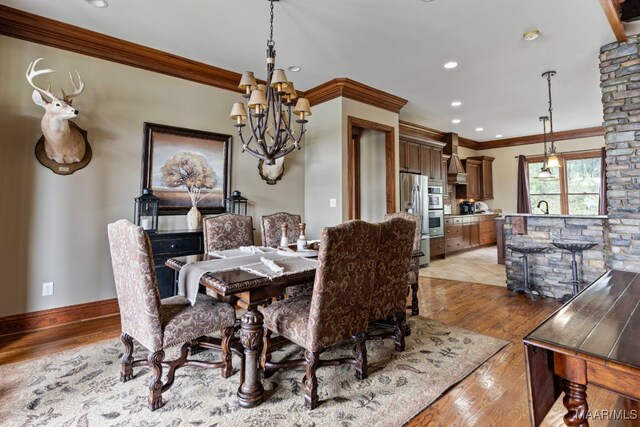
468, 232
485, 176
431, 163
436, 246
409, 153
425, 161
402, 153
472, 189
436, 173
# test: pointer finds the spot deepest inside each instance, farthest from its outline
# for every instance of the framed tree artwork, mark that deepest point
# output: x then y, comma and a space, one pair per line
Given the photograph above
185, 168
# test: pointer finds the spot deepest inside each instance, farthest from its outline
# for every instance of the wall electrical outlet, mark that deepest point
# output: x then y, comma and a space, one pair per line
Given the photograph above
47, 289
332, 203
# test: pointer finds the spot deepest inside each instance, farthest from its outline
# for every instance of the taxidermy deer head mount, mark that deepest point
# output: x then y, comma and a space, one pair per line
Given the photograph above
63, 144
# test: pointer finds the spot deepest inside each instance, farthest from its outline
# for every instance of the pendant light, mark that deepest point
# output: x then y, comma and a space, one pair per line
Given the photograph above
545, 173
553, 161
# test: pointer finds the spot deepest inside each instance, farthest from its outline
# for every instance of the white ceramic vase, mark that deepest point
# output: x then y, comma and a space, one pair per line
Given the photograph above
194, 218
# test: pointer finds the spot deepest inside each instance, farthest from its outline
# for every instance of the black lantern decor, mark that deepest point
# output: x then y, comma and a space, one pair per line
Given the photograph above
146, 210
236, 203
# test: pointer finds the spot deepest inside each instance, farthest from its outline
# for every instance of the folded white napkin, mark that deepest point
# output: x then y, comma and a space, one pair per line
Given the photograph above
272, 266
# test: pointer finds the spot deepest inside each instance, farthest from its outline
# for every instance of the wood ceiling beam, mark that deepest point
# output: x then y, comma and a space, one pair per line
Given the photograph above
612, 9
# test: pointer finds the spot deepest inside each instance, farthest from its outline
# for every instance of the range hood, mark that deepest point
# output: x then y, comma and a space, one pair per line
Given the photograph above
456, 174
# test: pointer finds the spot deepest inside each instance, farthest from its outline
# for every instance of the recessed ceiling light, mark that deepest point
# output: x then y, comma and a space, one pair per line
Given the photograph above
450, 65
479, 129
456, 103
531, 35
98, 3
294, 68
499, 135
455, 121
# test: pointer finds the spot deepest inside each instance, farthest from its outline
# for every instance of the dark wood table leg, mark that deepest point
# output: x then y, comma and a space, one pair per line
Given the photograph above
251, 392
543, 387
575, 400
574, 383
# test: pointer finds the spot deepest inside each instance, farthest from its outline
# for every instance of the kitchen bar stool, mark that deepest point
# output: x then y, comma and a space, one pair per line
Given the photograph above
574, 248
526, 286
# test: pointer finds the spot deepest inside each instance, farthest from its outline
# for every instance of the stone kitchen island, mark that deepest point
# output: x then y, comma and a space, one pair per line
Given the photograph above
550, 271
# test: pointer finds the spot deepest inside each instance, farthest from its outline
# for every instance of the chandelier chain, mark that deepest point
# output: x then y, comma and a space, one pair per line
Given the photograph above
271, 42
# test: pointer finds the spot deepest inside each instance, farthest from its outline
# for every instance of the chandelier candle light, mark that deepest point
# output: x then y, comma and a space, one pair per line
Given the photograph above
270, 110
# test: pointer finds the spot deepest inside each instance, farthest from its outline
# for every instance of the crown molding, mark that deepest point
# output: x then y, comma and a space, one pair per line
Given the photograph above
46, 31
351, 89
416, 131
536, 139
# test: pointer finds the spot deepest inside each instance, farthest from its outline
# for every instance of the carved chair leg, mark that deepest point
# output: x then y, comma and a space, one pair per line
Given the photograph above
310, 380
227, 368
575, 400
195, 349
415, 309
155, 387
399, 330
266, 348
126, 369
360, 353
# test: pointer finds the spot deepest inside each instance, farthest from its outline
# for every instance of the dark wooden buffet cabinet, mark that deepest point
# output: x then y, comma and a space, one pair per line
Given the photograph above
168, 244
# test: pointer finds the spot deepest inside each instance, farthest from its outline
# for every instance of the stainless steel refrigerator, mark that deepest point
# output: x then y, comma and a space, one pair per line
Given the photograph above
414, 199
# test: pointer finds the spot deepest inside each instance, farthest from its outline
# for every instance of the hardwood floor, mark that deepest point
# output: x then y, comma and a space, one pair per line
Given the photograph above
494, 395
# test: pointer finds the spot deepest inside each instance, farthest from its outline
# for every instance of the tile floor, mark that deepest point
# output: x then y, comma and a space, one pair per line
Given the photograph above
477, 266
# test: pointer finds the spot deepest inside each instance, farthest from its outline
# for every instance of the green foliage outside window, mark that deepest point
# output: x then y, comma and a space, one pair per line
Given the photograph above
582, 178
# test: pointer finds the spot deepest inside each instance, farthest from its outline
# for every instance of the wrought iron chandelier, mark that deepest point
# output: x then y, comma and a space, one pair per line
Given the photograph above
270, 109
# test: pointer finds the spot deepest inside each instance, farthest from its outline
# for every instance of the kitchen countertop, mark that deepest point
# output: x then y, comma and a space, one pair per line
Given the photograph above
557, 216
472, 215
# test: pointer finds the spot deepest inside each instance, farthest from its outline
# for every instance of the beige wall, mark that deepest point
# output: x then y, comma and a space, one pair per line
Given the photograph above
52, 227
326, 159
373, 200
505, 167
351, 108
323, 175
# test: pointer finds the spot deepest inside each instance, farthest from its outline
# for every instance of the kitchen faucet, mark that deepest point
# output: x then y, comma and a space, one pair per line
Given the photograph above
546, 210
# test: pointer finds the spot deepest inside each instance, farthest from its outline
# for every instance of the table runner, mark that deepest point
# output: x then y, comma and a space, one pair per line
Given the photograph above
190, 274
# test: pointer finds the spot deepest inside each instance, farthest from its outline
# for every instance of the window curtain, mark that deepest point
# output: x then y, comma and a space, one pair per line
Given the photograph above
524, 203
603, 205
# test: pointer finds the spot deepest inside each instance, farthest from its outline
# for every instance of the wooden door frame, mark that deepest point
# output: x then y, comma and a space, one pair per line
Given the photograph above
353, 162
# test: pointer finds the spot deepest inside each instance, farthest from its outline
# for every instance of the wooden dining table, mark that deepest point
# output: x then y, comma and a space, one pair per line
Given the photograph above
251, 291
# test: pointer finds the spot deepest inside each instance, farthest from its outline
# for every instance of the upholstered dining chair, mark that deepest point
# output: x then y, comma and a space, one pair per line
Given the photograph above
414, 273
159, 324
227, 231
389, 294
270, 225
338, 308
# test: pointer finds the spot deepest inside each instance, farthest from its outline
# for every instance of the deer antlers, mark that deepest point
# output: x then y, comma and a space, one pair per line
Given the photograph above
32, 73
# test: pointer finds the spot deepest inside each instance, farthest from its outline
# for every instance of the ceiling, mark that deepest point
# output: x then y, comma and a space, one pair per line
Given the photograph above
398, 46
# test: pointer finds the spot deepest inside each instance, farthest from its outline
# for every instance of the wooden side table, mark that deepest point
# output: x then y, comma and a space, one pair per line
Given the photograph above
593, 339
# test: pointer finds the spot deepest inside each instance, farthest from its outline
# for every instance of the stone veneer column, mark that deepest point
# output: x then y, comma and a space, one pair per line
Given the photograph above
620, 83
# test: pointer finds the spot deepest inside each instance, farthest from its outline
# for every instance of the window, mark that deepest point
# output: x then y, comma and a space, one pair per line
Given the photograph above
577, 190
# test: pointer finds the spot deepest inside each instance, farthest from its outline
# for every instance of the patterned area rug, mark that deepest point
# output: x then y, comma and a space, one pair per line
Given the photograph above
81, 387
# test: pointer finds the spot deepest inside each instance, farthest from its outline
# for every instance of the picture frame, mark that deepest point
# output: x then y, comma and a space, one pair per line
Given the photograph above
169, 151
